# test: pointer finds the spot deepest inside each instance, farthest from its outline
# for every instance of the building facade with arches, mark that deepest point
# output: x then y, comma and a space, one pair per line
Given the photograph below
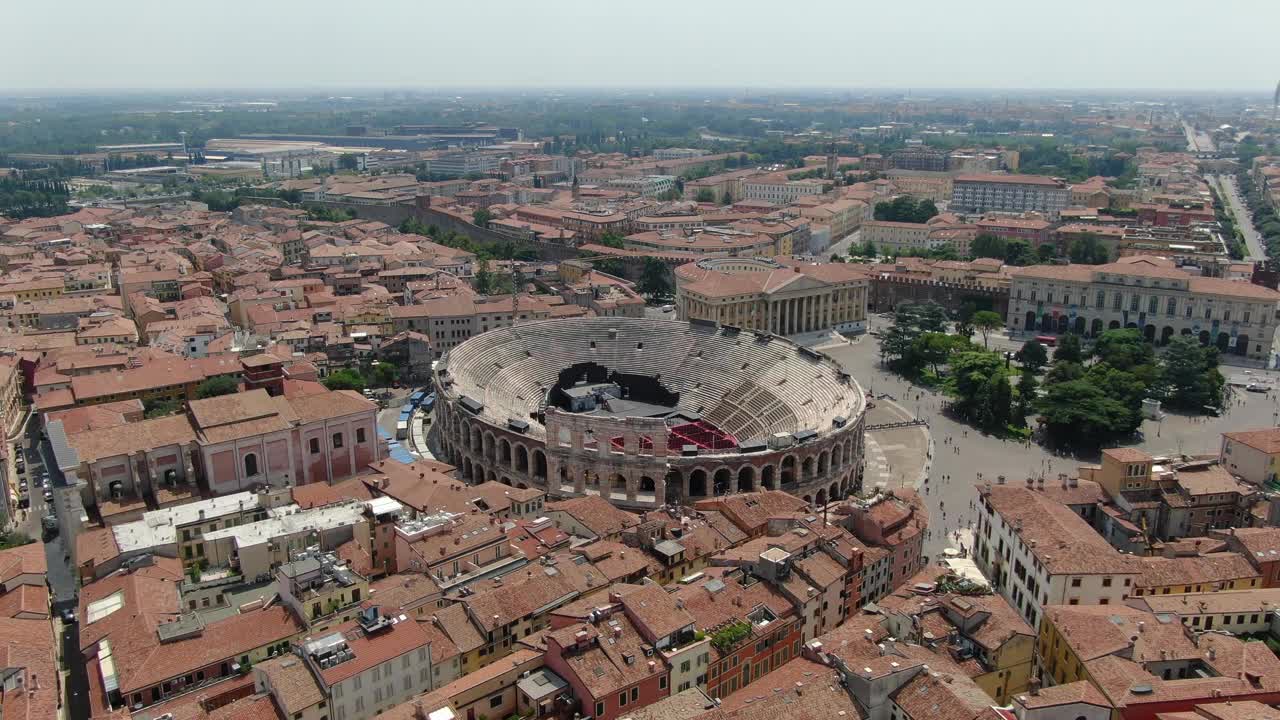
1148, 294
754, 412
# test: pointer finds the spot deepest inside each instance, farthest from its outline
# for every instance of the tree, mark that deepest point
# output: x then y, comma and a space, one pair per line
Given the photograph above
1124, 349
987, 245
654, 279
1069, 349
1019, 252
986, 321
160, 407
970, 373
1026, 397
910, 322
1078, 412
384, 374
346, 379
481, 217
1191, 372
1033, 356
1046, 253
349, 161
997, 406
1088, 250
904, 208
933, 348
705, 195
613, 240
215, 386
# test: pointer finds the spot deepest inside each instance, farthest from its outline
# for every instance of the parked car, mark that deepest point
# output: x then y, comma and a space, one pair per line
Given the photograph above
50, 524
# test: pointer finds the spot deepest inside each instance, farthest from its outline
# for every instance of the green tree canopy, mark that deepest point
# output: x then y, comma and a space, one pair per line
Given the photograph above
905, 208
986, 245
1019, 252
160, 407
384, 374
481, 217
346, 379
1078, 412
654, 279
1088, 250
613, 240
1033, 355
215, 386
1069, 349
986, 321
1192, 375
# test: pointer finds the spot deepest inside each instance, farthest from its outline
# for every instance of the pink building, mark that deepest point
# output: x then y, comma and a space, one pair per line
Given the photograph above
225, 444
253, 438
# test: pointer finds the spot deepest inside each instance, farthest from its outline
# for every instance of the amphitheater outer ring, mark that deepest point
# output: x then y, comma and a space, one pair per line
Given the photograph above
484, 447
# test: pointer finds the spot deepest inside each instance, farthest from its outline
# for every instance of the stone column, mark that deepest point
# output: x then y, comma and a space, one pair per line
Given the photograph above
660, 489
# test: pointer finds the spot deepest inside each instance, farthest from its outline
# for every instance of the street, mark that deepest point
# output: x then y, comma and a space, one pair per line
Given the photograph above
1230, 193
961, 455
1197, 141
841, 247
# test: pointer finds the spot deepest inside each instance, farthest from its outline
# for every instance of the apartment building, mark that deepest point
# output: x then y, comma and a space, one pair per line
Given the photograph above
1037, 552
982, 193
780, 190
650, 186
924, 184
1149, 665
450, 321
891, 238
979, 628
1148, 294
1254, 455
373, 663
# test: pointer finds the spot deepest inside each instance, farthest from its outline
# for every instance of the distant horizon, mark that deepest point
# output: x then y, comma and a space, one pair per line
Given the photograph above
725, 91
1170, 46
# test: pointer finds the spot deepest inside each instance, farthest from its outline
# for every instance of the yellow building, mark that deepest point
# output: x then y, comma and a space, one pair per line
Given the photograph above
34, 289
1196, 574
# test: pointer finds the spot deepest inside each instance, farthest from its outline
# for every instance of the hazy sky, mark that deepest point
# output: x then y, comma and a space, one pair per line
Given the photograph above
1179, 44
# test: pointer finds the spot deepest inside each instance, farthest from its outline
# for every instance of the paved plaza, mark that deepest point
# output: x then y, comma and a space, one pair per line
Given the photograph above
960, 454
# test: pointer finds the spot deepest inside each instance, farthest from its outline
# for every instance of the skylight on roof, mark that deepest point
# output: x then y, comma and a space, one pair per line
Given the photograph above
99, 609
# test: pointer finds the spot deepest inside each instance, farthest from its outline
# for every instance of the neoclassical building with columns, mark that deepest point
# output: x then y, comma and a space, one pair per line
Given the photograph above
779, 296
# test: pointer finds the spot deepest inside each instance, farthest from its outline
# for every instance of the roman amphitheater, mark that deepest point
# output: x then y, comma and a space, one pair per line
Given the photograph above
647, 412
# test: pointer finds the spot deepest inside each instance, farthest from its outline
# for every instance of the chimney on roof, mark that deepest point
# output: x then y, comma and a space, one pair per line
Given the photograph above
1063, 478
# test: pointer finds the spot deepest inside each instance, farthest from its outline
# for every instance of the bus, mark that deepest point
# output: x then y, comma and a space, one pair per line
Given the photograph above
402, 430
1047, 340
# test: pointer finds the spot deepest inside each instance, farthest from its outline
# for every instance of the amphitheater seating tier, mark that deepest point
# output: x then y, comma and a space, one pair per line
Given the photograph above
747, 388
